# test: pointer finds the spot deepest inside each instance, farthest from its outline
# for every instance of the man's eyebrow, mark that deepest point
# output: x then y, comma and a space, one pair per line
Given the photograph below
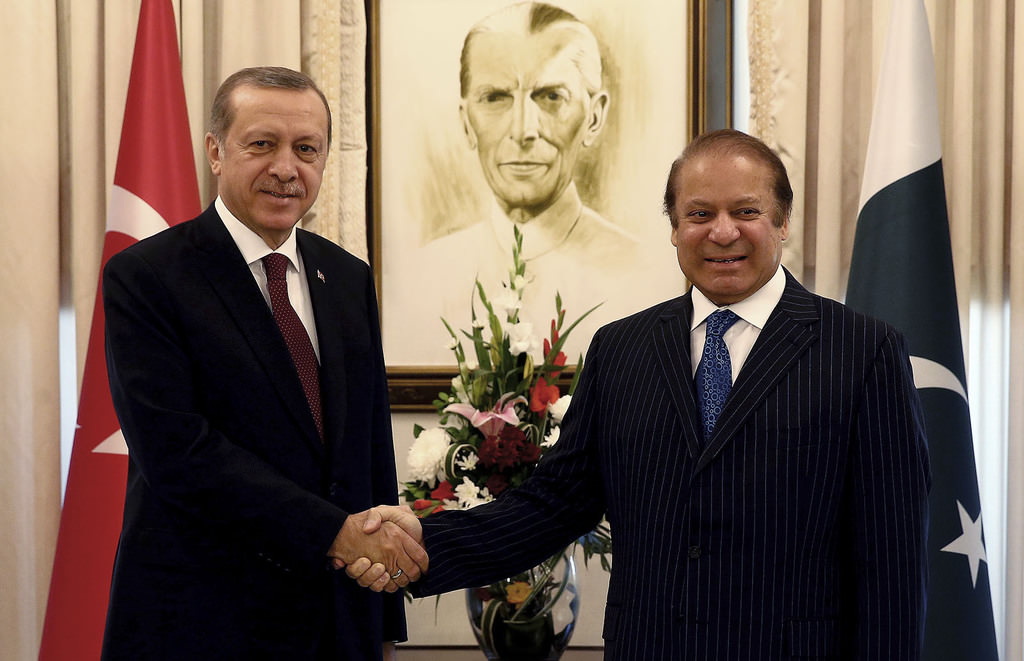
489, 88
555, 85
743, 199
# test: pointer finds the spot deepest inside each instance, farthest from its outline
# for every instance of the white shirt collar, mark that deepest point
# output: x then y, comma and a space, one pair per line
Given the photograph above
250, 244
754, 309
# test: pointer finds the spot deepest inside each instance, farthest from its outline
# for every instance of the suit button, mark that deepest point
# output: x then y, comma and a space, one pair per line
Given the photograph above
693, 552
333, 489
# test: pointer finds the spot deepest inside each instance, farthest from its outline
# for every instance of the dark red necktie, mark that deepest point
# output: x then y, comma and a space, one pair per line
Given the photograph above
295, 335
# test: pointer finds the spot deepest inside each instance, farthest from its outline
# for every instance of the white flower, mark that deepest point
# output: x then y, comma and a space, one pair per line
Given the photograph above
426, 456
505, 304
452, 343
467, 461
518, 282
469, 495
459, 388
521, 339
479, 322
551, 437
557, 410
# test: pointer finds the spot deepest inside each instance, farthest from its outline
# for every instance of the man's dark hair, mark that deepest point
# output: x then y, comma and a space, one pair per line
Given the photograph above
222, 112
730, 142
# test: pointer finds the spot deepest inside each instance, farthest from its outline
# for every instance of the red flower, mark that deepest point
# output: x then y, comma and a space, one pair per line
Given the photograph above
529, 453
488, 451
502, 450
559, 359
497, 483
444, 491
542, 395
422, 504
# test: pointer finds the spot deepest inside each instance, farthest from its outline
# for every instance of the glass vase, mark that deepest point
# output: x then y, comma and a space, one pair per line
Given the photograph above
527, 617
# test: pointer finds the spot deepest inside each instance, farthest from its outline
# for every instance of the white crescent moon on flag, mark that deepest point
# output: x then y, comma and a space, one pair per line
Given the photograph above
930, 374
130, 214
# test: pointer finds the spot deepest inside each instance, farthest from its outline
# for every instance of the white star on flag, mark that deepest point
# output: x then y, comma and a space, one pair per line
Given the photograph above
969, 543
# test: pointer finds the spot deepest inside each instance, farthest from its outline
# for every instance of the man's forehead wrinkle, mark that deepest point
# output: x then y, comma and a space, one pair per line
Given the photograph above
515, 60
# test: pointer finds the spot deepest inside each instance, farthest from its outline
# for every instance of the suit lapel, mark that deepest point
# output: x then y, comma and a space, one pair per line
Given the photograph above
785, 337
231, 279
329, 328
672, 344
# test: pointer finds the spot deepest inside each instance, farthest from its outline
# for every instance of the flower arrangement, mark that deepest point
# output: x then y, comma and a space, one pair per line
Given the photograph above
502, 413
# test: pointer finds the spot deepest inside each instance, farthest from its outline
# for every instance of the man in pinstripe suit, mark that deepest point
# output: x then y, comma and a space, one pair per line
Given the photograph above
796, 528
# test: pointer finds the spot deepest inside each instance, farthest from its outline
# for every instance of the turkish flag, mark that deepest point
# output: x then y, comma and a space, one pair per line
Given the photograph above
154, 187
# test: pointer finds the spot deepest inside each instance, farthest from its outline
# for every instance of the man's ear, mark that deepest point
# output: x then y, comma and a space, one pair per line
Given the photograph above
596, 117
466, 126
213, 154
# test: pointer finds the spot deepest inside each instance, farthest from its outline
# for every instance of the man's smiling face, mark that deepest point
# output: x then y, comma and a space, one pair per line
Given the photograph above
271, 162
728, 236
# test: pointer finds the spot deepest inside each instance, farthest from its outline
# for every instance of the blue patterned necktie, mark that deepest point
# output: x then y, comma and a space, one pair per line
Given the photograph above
714, 372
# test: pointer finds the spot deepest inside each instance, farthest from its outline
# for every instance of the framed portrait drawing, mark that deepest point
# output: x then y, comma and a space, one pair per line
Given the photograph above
560, 119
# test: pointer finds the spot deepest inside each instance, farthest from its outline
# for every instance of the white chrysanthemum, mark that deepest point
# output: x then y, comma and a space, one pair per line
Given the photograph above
551, 437
557, 410
521, 339
470, 495
425, 460
467, 460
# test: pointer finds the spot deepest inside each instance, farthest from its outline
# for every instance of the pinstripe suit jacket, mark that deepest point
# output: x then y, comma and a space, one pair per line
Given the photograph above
797, 531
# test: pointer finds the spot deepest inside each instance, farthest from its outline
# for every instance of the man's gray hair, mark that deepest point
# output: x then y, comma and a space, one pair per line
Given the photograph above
222, 112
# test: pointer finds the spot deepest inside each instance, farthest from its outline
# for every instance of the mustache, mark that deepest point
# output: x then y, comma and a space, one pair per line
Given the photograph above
290, 189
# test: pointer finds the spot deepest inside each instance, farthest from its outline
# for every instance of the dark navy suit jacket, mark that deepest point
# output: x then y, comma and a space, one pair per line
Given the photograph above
232, 500
797, 531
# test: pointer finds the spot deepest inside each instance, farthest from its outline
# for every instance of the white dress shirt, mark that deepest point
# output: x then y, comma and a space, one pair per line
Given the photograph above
254, 249
753, 313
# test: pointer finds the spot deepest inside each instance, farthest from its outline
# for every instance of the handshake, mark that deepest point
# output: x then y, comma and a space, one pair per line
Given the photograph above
381, 548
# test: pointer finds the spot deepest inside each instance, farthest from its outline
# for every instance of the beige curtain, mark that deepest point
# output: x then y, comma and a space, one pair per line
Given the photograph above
813, 72
30, 289
60, 119
813, 67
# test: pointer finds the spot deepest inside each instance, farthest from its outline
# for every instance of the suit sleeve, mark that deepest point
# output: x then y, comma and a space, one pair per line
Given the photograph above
192, 467
889, 518
562, 500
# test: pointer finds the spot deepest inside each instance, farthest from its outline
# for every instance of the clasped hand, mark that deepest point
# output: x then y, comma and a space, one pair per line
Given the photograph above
381, 548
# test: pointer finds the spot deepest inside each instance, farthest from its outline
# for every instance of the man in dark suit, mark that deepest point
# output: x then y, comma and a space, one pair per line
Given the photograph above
246, 369
758, 450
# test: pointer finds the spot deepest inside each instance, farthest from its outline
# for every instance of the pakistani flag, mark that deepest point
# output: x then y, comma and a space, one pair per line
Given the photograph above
902, 272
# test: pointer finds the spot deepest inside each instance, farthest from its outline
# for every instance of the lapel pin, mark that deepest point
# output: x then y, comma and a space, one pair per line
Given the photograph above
320, 275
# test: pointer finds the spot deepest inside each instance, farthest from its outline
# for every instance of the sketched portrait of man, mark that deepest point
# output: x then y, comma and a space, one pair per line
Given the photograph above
538, 143
532, 100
